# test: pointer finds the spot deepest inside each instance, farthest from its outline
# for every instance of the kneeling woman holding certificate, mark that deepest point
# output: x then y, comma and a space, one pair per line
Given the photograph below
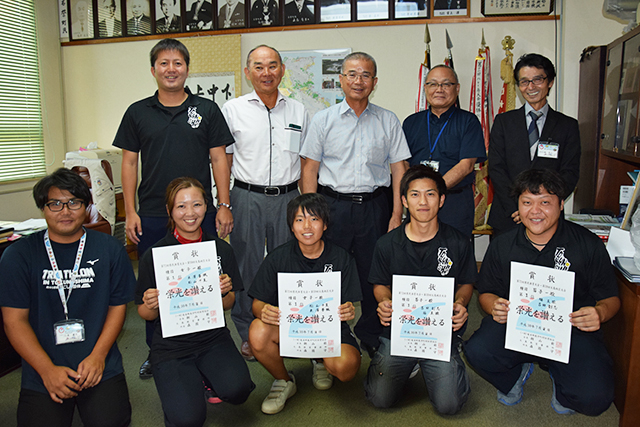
185, 283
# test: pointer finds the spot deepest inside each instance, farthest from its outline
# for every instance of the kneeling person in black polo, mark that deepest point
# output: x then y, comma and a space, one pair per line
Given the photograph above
545, 238
308, 217
422, 246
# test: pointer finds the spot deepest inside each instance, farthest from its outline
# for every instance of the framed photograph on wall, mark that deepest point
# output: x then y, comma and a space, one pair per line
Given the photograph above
198, 15
516, 7
138, 17
231, 14
410, 9
450, 8
372, 10
335, 10
168, 19
81, 13
264, 13
299, 12
109, 18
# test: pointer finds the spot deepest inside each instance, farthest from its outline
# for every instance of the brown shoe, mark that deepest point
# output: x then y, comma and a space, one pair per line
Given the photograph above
246, 352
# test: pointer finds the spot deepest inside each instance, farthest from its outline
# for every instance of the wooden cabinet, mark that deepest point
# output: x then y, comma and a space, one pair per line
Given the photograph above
622, 336
619, 150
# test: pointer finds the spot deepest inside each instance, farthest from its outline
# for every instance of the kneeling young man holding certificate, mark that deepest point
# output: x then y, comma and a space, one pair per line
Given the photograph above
527, 322
437, 264
308, 217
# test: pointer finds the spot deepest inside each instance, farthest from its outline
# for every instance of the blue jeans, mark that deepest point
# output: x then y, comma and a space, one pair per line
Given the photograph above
447, 382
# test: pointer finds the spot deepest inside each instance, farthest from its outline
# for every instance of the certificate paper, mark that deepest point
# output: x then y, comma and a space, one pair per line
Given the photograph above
421, 320
189, 283
538, 319
309, 320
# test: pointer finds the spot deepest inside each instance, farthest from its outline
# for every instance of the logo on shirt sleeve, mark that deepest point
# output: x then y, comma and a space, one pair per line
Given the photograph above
444, 262
194, 118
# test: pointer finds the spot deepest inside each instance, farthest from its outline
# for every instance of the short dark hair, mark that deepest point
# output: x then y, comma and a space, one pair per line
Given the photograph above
360, 56
536, 61
311, 203
258, 47
65, 180
169, 44
422, 172
533, 180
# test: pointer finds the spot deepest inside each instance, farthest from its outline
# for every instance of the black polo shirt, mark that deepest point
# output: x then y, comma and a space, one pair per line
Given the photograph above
172, 142
289, 259
572, 243
395, 254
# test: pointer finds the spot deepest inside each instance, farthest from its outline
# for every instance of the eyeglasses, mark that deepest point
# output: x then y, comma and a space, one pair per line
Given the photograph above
445, 85
57, 205
352, 76
537, 81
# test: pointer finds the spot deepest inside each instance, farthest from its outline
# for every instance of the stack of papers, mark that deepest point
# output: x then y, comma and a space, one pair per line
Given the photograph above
600, 225
628, 268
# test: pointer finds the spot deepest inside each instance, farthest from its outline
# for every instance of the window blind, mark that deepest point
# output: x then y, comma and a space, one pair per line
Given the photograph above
21, 140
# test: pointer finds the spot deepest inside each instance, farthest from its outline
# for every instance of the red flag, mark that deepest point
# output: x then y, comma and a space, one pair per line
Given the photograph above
481, 104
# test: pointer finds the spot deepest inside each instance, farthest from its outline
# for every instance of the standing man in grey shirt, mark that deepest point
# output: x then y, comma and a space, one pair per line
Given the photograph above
349, 150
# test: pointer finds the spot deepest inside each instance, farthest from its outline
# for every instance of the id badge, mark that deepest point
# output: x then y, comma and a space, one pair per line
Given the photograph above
292, 134
548, 150
69, 331
433, 164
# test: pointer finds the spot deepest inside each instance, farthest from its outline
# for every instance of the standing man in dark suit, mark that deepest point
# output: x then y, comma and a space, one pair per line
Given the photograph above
139, 23
532, 137
231, 14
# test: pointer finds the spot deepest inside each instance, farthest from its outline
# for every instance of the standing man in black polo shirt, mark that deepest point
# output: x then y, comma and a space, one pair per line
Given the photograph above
177, 134
450, 141
422, 246
544, 238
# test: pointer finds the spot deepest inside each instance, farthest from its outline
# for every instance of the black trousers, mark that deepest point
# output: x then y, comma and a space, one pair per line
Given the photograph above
585, 384
356, 227
106, 404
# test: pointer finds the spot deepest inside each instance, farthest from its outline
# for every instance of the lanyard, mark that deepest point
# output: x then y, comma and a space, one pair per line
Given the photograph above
432, 149
58, 274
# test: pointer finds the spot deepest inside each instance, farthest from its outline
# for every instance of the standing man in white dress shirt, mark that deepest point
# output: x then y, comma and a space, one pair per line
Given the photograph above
269, 130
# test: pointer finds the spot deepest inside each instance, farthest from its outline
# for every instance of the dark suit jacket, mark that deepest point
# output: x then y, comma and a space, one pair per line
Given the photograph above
237, 16
173, 27
509, 155
143, 28
117, 28
205, 14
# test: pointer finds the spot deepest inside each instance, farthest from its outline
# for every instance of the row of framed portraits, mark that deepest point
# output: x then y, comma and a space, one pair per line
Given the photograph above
90, 19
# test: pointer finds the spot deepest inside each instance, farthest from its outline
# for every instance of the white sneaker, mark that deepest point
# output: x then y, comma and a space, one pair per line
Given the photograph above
281, 390
322, 380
